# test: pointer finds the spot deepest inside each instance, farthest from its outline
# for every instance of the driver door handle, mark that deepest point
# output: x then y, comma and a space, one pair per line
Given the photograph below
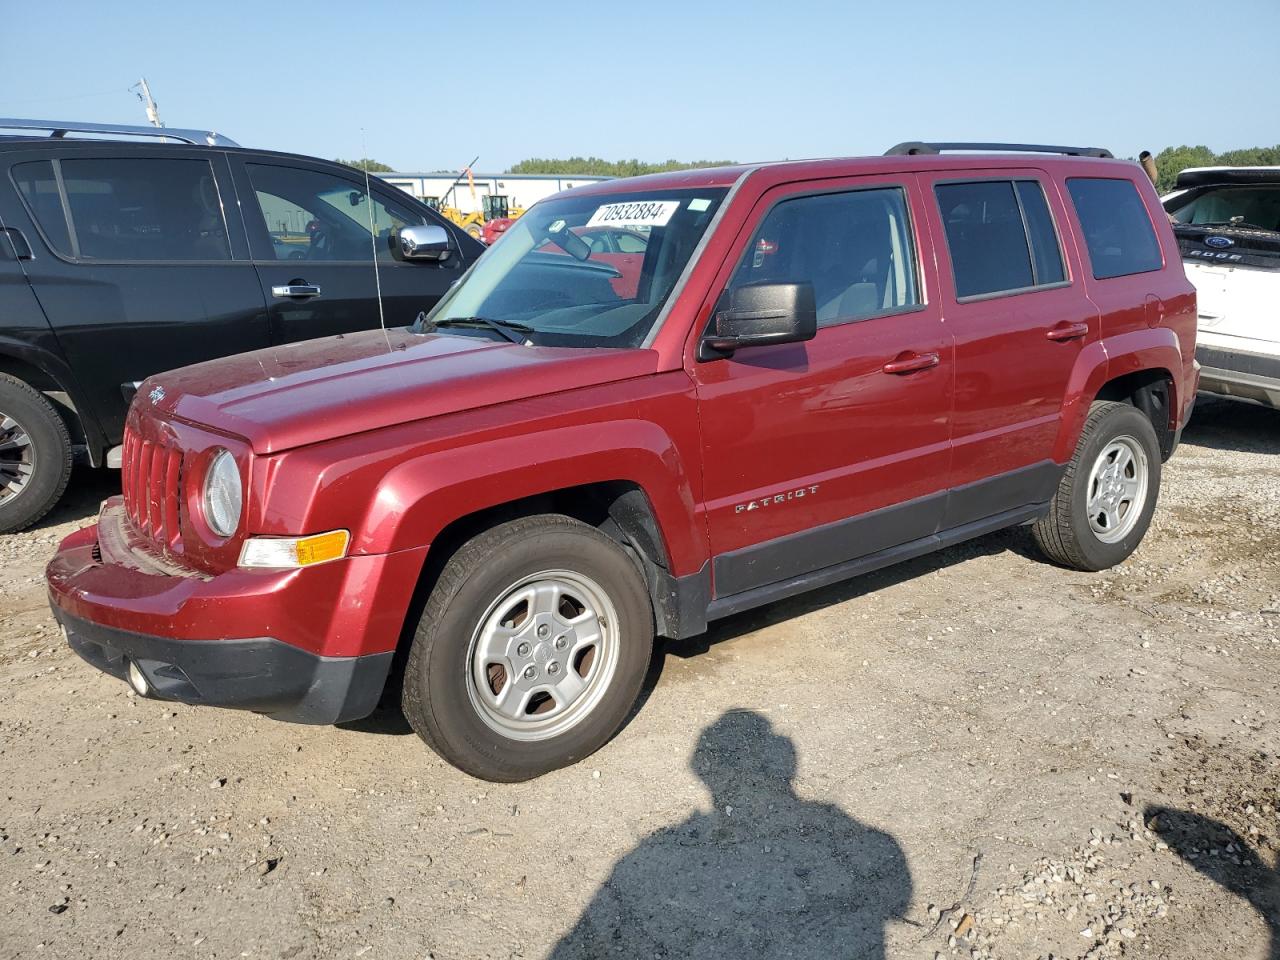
910, 362
1067, 331
296, 289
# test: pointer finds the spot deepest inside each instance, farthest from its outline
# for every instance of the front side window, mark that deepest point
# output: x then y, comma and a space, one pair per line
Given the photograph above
317, 216
137, 209
1117, 229
855, 248
1000, 235
559, 276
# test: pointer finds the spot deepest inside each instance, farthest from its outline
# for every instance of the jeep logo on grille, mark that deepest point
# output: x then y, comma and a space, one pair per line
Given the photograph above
1220, 242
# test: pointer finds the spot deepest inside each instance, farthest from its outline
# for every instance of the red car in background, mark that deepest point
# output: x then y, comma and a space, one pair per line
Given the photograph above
621, 249
494, 228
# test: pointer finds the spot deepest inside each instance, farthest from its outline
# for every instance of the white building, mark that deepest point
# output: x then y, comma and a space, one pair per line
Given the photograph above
507, 190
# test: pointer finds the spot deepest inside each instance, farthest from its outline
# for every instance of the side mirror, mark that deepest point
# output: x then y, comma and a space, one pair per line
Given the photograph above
421, 241
761, 314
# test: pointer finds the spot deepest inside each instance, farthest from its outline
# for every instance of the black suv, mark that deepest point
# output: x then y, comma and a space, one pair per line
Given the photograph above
125, 257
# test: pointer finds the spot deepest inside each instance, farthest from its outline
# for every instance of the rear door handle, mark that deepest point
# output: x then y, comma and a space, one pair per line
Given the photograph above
18, 242
1067, 331
296, 289
910, 362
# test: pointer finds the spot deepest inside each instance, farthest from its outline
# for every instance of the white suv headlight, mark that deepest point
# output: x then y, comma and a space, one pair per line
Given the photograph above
223, 494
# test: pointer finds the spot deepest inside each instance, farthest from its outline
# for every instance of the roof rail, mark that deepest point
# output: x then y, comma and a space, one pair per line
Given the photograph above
60, 128
915, 147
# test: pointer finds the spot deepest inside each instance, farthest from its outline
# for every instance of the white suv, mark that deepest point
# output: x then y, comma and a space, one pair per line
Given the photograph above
1227, 220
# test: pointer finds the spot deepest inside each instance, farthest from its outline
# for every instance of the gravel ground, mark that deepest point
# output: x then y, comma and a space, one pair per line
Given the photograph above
973, 755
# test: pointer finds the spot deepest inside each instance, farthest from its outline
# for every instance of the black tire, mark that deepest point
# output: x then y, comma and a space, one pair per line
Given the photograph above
48, 454
1066, 535
438, 690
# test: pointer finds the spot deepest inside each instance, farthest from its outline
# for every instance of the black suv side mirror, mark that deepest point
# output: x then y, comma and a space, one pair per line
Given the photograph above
421, 241
761, 314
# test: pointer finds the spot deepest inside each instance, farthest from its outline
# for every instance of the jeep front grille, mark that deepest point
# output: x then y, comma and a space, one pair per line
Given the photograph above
151, 475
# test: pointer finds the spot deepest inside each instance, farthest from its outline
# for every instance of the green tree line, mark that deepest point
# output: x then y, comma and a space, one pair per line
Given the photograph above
1173, 160
1170, 162
595, 166
373, 166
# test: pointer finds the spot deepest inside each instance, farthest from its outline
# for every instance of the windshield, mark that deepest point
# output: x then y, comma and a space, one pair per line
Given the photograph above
584, 271
1248, 207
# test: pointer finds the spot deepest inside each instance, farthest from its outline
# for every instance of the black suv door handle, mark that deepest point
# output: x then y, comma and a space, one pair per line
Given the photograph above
18, 241
299, 289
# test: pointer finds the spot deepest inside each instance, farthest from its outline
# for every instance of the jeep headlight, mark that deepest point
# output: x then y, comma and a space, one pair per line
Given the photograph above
223, 494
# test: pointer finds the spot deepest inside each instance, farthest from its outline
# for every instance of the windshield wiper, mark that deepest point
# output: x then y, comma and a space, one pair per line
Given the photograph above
514, 332
1233, 222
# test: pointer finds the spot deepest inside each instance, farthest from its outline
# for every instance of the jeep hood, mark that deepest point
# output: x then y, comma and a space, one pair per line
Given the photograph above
290, 396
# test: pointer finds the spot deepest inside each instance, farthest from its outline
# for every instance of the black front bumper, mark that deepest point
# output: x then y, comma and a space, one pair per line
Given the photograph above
261, 674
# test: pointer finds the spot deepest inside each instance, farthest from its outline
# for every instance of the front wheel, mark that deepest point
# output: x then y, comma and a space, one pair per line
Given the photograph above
1108, 492
531, 650
35, 455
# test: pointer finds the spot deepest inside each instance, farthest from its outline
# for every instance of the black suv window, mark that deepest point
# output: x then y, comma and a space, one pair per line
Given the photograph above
855, 248
1116, 227
39, 188
1000, 235
140, 209
317, 216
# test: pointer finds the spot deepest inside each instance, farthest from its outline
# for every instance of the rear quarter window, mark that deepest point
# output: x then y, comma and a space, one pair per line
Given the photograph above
1117, 228
39, 189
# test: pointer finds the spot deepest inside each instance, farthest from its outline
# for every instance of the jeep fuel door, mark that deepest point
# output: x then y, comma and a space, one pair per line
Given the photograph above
818, 452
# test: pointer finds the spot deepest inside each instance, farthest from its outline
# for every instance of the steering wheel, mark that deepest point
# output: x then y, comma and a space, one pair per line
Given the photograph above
321, 245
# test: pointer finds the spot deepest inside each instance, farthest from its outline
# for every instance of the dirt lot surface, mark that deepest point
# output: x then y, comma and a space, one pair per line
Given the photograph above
974, 754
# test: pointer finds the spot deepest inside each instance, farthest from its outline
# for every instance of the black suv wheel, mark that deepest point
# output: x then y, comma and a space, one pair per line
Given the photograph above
35, 455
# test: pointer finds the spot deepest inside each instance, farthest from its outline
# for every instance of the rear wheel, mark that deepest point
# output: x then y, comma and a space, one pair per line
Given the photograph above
1108, 492
35, 455
531, 651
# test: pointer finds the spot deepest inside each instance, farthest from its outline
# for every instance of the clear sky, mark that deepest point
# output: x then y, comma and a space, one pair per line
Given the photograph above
433, 84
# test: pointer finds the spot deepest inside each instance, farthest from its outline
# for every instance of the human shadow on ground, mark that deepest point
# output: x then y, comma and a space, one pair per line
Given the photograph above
764, 873
1223, 856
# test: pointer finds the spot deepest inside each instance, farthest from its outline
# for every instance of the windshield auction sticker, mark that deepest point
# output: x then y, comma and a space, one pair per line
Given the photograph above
638, 213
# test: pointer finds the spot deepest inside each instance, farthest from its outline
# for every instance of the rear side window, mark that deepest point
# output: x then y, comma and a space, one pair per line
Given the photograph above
129, 209
1117, 229
39, 189
1000, 235
855, 248
1046, 255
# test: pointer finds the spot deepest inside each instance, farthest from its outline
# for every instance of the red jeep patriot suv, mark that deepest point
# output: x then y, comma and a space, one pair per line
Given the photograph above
821, 368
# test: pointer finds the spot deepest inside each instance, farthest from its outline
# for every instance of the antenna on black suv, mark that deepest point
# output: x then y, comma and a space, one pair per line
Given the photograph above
919, 147
373, 233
